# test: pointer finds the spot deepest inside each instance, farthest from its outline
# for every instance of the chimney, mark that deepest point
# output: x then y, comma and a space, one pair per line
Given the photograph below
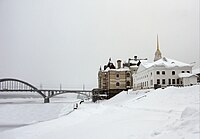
119, 62
135, 58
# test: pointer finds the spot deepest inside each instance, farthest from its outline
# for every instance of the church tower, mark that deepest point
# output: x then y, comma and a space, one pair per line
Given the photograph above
158, 54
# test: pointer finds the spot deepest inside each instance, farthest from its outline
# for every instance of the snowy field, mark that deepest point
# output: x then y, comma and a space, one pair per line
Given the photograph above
171, 113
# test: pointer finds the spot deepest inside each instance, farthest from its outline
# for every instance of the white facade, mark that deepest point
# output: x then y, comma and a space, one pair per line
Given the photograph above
188, 79
163, 72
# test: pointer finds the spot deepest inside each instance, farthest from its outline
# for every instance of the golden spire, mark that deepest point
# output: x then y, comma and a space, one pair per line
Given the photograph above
158, 49
158, 54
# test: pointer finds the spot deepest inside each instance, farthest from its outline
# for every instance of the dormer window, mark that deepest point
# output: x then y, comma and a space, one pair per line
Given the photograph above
127, 74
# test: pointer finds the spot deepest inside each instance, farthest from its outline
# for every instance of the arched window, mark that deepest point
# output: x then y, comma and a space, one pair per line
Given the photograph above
117, 84
128, 83
173, 72
128, 74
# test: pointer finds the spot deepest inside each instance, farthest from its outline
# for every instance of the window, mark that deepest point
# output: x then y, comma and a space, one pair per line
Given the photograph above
158, 81
117, 75
173, 81
151, 82
173, 72
163, 81
163, 72
177, 81
169, 81
188, 71
128, 83
182, 71
117, 84
157, 72
127, 74
151, 73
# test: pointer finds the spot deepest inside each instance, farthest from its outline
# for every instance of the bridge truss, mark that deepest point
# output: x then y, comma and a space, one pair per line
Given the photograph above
16, 85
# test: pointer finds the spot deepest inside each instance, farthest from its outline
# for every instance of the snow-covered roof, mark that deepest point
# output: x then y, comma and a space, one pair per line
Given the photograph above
121, 69
165, 62
185, 75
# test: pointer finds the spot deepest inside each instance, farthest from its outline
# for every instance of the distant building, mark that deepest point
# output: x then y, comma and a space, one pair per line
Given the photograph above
112, 80
163, 72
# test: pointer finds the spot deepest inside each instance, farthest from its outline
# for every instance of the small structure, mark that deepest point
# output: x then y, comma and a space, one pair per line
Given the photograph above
188, 79
197, 72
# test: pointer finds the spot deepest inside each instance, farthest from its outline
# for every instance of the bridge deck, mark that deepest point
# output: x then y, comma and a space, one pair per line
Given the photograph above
44, 90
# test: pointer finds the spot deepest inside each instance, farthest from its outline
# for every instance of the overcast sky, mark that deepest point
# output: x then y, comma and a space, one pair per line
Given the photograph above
66, 41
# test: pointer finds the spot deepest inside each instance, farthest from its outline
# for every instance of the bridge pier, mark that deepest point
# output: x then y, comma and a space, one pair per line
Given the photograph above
46, 100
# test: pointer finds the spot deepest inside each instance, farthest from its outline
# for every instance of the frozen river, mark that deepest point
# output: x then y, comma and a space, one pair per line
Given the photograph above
21, 109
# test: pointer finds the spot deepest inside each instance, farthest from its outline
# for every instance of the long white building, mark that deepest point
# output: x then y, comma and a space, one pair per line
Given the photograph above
161, 73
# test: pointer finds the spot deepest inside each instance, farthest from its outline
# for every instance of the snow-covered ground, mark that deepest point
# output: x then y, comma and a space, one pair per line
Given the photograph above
171, 113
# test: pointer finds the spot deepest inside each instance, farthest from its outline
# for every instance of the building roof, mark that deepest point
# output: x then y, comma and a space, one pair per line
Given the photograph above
121, 69
165, 62
185, 75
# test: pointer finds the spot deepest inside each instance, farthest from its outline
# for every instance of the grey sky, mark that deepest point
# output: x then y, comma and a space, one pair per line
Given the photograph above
65, 41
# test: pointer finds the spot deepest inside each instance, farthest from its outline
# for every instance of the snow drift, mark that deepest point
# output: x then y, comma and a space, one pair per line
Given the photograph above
171, 113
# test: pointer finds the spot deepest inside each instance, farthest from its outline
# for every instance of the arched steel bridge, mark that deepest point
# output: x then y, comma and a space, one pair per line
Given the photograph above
16, 85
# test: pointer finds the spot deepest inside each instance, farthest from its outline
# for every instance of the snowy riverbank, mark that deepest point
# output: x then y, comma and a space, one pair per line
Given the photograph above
171, 113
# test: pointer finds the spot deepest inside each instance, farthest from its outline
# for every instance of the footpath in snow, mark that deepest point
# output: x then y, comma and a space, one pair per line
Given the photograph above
171, 113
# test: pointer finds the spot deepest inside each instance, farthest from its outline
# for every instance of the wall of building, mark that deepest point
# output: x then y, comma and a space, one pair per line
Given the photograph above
158, 75
114, 79
189, 81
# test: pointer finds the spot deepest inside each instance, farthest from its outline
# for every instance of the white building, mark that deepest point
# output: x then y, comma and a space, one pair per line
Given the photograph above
188, 78
161, 73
